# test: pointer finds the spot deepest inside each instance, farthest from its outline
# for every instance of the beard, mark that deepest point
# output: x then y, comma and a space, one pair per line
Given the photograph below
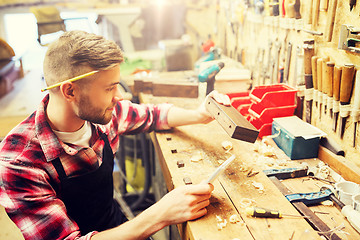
93, 114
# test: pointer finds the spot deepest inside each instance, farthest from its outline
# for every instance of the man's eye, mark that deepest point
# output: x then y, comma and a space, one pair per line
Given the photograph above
110, 89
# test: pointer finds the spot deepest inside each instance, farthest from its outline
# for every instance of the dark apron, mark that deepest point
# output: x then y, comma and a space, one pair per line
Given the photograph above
89, 198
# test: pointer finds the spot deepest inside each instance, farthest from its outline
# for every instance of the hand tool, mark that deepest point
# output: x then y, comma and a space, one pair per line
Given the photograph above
329, 27
312, 32
286, 173
232, 121
348, 39
324, 5
275, 72
315, 15
220, 169
266, 69
312, 218
267, 213
319, 82
352, 215
329, 79
346, 85
314, 77
208, 76
308, 54
324, 83
355, 112
336, 95
311, 198
287, 63
352, 3
299, 82
70, 80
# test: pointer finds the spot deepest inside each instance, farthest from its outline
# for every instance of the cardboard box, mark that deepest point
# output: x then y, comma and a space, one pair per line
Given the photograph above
298, 139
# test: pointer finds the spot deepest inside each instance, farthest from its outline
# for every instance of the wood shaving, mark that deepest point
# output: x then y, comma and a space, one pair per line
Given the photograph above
246, 202
227, 145
198, 156
327, 203
258, 186
234, 218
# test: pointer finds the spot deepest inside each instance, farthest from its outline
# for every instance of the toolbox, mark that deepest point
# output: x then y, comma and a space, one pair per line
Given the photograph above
298, 139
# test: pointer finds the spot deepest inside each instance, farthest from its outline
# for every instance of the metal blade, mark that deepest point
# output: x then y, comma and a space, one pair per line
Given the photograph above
335, 119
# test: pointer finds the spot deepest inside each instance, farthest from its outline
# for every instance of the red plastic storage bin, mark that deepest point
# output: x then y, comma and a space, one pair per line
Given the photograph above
276, 95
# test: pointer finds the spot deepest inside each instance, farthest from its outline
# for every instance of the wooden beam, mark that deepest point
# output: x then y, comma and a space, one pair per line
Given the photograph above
348, 170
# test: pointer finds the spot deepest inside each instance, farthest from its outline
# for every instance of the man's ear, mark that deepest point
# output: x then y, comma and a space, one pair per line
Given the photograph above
68, 91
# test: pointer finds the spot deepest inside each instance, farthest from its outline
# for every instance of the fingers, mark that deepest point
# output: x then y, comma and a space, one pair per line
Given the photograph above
200, 189
220, 98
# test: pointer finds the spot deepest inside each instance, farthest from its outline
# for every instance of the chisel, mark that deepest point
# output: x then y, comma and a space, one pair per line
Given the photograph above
330, 79
324, 5
319, 83
324, 83
220, 169
336, 95
315, 83
308, 54
330, 21
355, 112
346, 85
315, 15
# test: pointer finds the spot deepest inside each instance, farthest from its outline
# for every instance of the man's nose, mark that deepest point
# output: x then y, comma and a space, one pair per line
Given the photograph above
118, 95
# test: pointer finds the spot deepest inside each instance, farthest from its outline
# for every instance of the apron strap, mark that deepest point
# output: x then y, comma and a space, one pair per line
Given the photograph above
59, 168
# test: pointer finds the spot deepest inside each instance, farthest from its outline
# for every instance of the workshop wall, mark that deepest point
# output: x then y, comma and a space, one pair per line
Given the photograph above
245, 30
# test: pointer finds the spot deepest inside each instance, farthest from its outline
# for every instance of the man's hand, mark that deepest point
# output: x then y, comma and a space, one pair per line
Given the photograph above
220, 98
184, 203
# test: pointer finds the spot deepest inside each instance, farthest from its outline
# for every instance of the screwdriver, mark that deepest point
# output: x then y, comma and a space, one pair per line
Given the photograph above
266, 213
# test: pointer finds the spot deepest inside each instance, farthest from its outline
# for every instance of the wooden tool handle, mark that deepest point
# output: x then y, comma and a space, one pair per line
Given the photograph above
315, 15
346, 84
330, 77
323, 74
324, 5
314, 70
336, 82
330, 20
308, 53
319, 73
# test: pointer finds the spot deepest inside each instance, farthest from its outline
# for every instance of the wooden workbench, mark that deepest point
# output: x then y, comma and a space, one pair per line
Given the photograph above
233, 189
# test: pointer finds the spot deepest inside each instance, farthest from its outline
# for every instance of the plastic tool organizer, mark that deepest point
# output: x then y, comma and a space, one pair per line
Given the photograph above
263, 103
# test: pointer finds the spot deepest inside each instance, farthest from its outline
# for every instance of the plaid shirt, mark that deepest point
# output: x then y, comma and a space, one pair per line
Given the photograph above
28, 180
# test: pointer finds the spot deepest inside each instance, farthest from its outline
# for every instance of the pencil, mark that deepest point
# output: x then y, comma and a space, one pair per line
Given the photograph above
70, 80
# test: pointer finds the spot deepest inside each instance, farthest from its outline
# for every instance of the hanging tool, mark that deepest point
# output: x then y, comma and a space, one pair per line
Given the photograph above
348, 39
324, 5
287, 63
346, 85
308, 54
355, 112
329, 27
330, 79
336, 95
352, 3
315, 15
319, 83
275, 72
208, 76
220, 169
324, 83
299, 82
266, 213
314, 77
266, 69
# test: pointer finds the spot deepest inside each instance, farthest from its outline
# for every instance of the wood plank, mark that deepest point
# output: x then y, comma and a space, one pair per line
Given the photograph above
348, 170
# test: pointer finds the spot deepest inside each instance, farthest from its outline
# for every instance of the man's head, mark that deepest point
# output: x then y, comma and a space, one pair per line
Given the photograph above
79, 52
75, 53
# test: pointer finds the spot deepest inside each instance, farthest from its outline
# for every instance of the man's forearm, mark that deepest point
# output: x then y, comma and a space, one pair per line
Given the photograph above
179, 117
141, 227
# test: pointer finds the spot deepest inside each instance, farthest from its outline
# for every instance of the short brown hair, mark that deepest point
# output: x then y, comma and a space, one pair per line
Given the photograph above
78, 52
